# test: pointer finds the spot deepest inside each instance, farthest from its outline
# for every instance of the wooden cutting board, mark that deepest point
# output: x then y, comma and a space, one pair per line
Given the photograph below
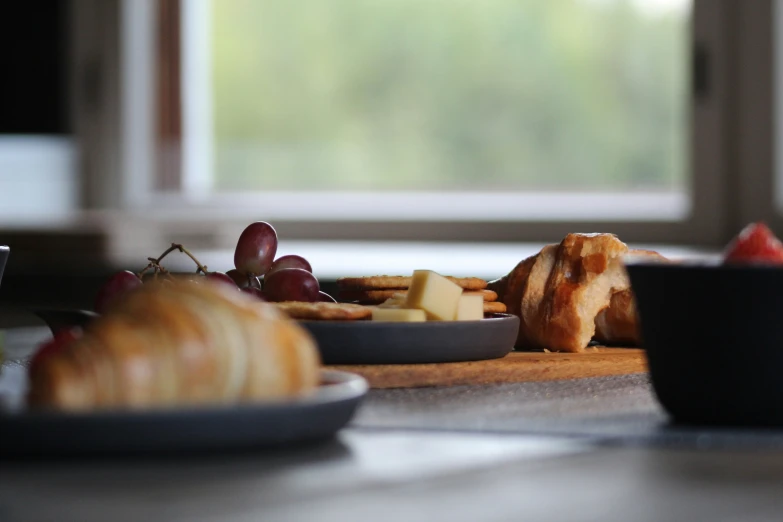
515, 367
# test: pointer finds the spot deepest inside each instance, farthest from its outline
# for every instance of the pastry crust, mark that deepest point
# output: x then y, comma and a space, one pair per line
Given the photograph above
619, 324
179, 343
558, 293
570, 293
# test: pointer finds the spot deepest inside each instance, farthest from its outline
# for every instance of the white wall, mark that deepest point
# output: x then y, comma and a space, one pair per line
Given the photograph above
38, 178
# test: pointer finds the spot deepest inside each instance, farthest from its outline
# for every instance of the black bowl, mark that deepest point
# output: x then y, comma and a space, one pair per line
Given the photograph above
713, 335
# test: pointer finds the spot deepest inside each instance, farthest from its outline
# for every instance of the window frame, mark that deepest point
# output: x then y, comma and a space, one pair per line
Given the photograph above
723, 33
753, 149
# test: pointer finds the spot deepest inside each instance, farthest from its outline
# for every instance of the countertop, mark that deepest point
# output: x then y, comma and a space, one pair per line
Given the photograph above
589, 449
402, 475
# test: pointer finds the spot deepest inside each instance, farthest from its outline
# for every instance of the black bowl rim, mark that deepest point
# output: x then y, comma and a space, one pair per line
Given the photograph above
702, 265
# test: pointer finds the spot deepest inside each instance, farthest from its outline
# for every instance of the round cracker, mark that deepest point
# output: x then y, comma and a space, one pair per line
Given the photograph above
379, 296
324, 311
495, 307
386, 282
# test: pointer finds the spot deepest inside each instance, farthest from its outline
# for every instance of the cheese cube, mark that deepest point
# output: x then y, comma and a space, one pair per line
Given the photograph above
434, 294
470, 308
398, 315
395, 301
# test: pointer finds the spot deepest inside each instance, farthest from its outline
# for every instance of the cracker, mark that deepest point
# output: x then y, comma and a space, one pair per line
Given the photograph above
322, 311
385, 282
495, 307
379, 296
397, 301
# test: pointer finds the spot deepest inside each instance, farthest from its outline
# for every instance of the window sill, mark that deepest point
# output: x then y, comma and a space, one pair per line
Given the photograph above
96, 241
333, 259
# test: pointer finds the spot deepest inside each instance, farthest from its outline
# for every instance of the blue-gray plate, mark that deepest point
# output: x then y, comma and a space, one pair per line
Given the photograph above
371, 342
374, 342
194, 429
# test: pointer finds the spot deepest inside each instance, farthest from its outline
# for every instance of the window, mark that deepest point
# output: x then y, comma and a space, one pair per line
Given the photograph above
455, 95
488, 102
499, 110
433, 119
752, 145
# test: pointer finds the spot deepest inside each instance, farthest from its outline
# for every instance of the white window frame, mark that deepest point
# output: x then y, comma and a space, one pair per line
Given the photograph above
708, 217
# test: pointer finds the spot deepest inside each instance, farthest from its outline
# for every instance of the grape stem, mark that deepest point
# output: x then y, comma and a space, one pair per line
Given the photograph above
154, 263
254, 281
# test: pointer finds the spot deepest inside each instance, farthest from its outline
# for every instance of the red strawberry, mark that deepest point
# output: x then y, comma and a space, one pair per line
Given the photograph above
61, 339
756, 243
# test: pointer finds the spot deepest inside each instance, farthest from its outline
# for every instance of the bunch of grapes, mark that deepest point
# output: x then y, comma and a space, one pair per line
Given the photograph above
256, 272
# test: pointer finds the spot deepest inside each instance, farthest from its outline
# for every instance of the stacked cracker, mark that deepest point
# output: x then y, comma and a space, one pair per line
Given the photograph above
377, 290
324, 311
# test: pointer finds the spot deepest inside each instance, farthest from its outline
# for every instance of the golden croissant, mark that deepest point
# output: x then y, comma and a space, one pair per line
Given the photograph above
571, 293
618, 323
179, 343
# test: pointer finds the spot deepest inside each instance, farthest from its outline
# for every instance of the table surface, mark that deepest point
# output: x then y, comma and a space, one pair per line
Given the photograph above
590, 449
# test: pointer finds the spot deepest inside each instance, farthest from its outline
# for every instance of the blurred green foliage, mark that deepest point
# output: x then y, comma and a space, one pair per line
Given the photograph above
449, 95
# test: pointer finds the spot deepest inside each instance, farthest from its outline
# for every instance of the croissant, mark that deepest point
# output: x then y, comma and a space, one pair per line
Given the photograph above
179, 343
559, 293
618, 323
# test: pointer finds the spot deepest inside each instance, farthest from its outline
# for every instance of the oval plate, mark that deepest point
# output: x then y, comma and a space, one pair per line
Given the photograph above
309, 419
369, 342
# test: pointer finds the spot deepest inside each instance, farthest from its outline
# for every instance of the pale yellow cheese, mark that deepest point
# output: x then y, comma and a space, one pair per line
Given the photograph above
395, 301
434, 294
470, 308
398, 315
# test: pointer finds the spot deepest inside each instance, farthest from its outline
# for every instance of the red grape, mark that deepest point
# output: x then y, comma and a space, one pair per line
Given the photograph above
326, 298
221, 278
255, 292
290, 261
238, 277
62, 338
241, 279
291, 284
256, 248
117, 285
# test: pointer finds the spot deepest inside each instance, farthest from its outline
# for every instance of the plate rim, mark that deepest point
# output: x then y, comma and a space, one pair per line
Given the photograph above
348, 386
419, 324
379, 343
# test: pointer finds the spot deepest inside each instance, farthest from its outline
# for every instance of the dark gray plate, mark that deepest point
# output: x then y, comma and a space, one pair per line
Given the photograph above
370, 342
310, 419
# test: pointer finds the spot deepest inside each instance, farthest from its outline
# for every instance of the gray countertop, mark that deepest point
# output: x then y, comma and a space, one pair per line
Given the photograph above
591, 449
400, 475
